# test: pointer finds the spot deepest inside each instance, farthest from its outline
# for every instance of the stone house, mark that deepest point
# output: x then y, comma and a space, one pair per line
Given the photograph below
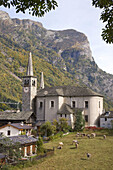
106, 120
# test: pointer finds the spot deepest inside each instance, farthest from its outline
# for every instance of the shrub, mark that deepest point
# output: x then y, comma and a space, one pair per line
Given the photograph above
40, 145
63, 125
34, 132
47, 129
80, 122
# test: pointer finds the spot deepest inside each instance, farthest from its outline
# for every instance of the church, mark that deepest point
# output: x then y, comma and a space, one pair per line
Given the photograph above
49, 103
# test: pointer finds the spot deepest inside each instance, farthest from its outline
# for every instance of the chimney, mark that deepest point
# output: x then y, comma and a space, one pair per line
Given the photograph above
22, 124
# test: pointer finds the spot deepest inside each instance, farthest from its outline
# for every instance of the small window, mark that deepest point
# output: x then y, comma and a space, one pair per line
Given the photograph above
65, 115
33, 82
99, 104
86, 104
86, 118
52, 103
60, 115
73, 104
105, 118
26, 82
8, 132
41, 104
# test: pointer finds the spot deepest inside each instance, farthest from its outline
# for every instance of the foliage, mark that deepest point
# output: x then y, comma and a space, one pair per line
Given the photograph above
47, 129
56, 124
106, 17
14, 54
108, 105
11, 150
10, 87
23, 132
40, 145
34, 132
37, 8
79, 122
63, 124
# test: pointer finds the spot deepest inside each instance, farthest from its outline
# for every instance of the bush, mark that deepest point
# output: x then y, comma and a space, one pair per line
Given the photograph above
80, 122
47, 129
40, 145
63, 125
34, 132
51, 138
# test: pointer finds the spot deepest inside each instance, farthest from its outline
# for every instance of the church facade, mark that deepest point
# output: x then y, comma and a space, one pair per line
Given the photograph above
49, 103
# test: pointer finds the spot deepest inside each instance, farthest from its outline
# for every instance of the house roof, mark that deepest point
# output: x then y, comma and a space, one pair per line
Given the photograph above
17, 126
15, 116
2, 155
107, 115
72, 91
22, 139
66, 109
21, 126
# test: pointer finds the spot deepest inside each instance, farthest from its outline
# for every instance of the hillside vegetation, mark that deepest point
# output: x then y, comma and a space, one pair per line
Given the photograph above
64, 57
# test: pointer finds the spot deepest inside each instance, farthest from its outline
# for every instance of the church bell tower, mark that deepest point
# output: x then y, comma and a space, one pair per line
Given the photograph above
29, 90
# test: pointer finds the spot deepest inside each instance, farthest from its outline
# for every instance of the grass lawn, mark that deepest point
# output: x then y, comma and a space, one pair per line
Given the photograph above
70, 158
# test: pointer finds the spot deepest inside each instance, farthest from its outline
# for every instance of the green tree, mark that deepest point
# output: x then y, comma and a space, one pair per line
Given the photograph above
56, 124
106, 17
63, 124
80, 122
12, 150
35, 7
47, 129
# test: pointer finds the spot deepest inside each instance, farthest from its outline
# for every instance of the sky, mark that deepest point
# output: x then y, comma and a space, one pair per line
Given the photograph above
81, 16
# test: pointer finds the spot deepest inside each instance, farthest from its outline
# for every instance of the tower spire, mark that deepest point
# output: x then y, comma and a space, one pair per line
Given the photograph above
42, 81
29, 66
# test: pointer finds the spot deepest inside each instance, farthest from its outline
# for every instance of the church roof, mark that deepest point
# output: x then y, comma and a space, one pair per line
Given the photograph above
15, 116
71, 91
66, 109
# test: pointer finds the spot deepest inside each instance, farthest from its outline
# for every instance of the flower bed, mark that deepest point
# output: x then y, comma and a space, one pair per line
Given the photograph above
93, 128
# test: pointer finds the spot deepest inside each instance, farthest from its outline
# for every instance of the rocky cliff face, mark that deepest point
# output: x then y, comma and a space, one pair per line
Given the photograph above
67, 50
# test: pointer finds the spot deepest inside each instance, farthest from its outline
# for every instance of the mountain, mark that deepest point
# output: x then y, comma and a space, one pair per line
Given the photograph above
64, 56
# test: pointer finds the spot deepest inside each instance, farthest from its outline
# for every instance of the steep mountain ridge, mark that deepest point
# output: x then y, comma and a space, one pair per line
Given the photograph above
68, 52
